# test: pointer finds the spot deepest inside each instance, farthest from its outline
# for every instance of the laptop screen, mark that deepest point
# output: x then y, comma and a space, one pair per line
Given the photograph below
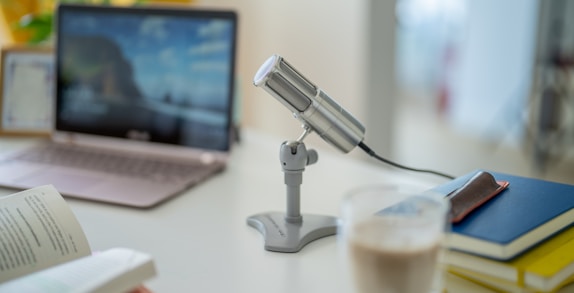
152, 74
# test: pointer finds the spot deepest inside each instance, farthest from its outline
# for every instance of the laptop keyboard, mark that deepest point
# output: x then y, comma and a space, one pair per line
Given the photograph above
121, 164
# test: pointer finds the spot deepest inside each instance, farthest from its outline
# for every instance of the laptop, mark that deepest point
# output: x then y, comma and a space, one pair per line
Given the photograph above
137, 89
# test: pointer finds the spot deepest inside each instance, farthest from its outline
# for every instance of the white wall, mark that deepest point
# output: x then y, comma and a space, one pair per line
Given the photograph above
326, 40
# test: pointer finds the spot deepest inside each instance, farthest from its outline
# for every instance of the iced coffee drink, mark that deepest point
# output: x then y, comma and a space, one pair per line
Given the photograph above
393, 240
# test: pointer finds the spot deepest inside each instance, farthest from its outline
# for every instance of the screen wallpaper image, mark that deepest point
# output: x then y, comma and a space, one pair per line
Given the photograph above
158, 78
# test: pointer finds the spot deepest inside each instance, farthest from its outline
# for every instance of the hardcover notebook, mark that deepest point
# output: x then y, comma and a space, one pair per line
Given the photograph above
526, 213
148, 83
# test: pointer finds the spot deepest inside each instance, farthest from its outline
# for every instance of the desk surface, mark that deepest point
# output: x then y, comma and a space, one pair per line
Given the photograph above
200, 239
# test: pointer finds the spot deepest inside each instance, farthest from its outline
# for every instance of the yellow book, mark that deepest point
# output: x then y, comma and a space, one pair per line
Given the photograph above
544, 267
456, 283
548, 271
504, 286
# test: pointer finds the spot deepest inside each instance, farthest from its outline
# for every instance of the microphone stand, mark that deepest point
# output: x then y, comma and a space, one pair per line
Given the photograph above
290, 231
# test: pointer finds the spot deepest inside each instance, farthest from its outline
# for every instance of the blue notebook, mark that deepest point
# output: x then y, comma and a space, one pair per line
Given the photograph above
525, 214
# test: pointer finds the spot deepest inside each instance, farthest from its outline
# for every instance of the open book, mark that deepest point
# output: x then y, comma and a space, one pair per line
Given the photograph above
44, 249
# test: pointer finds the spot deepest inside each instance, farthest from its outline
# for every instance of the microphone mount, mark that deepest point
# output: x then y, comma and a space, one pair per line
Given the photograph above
291, 231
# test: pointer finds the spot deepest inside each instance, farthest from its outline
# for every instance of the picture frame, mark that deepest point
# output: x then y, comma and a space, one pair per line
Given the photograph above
27, 90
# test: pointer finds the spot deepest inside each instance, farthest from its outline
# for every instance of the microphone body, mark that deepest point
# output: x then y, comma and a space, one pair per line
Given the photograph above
309, 104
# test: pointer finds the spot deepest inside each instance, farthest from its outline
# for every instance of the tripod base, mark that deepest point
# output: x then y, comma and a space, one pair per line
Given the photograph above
282, 236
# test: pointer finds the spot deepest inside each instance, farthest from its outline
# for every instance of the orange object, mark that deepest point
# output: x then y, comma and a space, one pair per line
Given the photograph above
13, 10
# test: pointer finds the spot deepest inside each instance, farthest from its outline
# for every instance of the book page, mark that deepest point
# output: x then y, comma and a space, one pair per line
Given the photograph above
115, 270
37, 230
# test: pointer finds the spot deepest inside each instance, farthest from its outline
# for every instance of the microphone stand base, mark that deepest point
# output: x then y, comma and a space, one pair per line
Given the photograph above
283, 236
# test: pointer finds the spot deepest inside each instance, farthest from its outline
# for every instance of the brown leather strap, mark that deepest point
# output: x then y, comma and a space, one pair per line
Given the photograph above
475, 192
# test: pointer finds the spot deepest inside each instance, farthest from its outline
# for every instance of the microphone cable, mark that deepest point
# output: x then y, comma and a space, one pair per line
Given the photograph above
373, 154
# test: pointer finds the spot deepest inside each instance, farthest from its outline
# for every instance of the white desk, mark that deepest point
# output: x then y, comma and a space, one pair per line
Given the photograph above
200, 239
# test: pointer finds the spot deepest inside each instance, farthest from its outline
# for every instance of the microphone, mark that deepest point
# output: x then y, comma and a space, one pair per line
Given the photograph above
309, 104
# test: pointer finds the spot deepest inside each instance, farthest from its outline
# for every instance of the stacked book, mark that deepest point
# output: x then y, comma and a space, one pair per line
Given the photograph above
521, 240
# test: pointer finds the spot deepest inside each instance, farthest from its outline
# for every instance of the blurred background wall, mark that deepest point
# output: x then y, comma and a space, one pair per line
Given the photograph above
327, 41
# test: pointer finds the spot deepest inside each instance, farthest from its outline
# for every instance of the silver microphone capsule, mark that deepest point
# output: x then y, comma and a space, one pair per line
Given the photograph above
309, 104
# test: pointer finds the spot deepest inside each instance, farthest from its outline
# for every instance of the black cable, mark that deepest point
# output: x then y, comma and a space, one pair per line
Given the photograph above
373, 154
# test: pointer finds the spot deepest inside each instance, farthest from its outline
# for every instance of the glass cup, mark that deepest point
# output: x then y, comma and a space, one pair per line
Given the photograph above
392, 238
